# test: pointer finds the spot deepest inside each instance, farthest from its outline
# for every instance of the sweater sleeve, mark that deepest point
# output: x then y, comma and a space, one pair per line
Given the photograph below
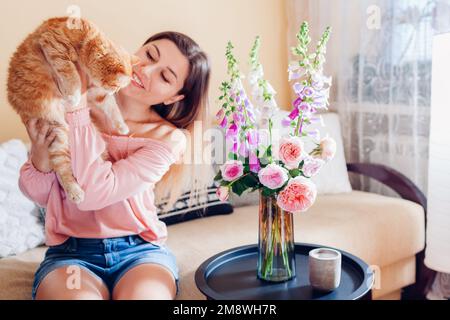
34, 184
103, 182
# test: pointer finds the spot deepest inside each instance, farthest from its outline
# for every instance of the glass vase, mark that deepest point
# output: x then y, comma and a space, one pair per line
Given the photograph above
276, 247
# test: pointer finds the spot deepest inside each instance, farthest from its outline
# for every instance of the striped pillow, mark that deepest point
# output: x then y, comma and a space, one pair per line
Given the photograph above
208, 205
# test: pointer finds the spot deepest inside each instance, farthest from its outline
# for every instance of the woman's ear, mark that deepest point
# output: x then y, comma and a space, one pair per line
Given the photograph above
174, 99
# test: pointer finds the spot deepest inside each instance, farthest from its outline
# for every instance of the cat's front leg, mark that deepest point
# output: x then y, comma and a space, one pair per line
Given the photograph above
64, 70
107, 103
59, 153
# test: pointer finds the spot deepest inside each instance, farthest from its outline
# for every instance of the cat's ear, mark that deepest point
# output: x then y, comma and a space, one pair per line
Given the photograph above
135, 60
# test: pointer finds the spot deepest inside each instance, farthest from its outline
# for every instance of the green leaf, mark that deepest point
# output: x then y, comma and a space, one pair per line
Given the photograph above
224, 183
250, 181
294, 172
238, 187
218, 176
232, 156
268, 152
268, 192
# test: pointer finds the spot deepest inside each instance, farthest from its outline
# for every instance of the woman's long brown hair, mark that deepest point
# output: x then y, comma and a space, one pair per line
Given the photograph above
186, 174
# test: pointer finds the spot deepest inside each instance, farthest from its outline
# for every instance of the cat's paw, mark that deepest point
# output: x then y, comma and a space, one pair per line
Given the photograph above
75, 193
74, 99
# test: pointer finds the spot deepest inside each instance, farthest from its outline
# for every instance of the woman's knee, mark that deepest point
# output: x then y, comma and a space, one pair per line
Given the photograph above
147, 281
71, 283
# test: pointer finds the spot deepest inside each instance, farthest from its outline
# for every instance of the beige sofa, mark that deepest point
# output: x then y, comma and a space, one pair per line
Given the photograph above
386, 232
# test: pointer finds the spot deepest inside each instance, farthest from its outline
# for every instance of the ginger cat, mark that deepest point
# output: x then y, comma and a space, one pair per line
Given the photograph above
43, 77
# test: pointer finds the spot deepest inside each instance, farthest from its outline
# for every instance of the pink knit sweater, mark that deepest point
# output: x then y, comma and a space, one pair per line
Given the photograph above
119, 198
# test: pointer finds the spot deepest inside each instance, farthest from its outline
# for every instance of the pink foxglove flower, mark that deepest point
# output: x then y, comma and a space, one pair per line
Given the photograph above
232, 132
224, 122
222, 193
232, 170
220, 114
254, 164
298, 196
243, 149
291, 151
273, 176
312, 166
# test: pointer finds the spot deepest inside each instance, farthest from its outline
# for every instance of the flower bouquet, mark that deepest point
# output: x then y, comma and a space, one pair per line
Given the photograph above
283, 176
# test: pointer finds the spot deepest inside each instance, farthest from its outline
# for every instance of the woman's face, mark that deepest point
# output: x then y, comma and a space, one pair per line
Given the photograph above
159, 75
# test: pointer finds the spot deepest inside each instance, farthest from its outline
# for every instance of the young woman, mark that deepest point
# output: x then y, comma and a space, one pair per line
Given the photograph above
112, 244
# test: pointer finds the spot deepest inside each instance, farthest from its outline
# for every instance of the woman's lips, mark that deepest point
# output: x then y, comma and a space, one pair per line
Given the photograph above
137, 81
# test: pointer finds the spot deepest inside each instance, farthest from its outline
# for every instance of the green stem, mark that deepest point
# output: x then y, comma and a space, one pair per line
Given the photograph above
270, 138
299, 122
286, 255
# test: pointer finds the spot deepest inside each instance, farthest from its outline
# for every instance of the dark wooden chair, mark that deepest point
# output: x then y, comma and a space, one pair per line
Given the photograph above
409, 191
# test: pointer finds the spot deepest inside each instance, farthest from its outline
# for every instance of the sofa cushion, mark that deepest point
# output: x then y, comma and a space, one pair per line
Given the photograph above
379, 229
20, 228
17, 274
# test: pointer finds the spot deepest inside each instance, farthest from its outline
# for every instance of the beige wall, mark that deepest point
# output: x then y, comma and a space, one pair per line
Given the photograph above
210, 22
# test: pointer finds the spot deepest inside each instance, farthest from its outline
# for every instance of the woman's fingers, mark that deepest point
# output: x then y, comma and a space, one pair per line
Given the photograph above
50, 138
40, 131
31, 128
43, 132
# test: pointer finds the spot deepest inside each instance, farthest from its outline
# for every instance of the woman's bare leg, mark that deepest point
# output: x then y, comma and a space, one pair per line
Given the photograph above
74, 283
148, 281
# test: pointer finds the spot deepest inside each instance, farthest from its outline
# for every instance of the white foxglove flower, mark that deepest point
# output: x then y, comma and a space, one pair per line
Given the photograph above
255, 75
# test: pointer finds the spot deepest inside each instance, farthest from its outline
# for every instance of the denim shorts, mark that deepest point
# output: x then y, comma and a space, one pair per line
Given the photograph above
107, 259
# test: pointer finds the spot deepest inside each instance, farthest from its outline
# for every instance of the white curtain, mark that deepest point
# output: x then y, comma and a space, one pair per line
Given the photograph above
380, 57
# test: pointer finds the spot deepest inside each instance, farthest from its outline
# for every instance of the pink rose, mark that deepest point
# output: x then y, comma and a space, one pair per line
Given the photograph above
222, 193
291, 151
328, 148
231, 170
298, 196
312, 166
273, 176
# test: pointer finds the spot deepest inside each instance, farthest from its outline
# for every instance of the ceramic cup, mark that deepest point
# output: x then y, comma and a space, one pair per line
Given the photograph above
324, 269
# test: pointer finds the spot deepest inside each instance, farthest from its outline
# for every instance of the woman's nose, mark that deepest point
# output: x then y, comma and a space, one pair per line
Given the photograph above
148, 70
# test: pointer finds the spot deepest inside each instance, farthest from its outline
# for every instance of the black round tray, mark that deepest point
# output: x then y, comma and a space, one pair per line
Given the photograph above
231, 275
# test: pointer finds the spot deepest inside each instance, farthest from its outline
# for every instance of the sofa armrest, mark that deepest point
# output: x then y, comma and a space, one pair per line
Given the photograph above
409, 191
391, 178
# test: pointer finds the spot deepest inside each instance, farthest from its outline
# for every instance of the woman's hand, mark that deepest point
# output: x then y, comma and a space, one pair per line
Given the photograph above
41, 136
83, 102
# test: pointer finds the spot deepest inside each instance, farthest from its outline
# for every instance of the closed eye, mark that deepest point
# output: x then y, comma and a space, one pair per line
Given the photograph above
152, 59
150, 56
